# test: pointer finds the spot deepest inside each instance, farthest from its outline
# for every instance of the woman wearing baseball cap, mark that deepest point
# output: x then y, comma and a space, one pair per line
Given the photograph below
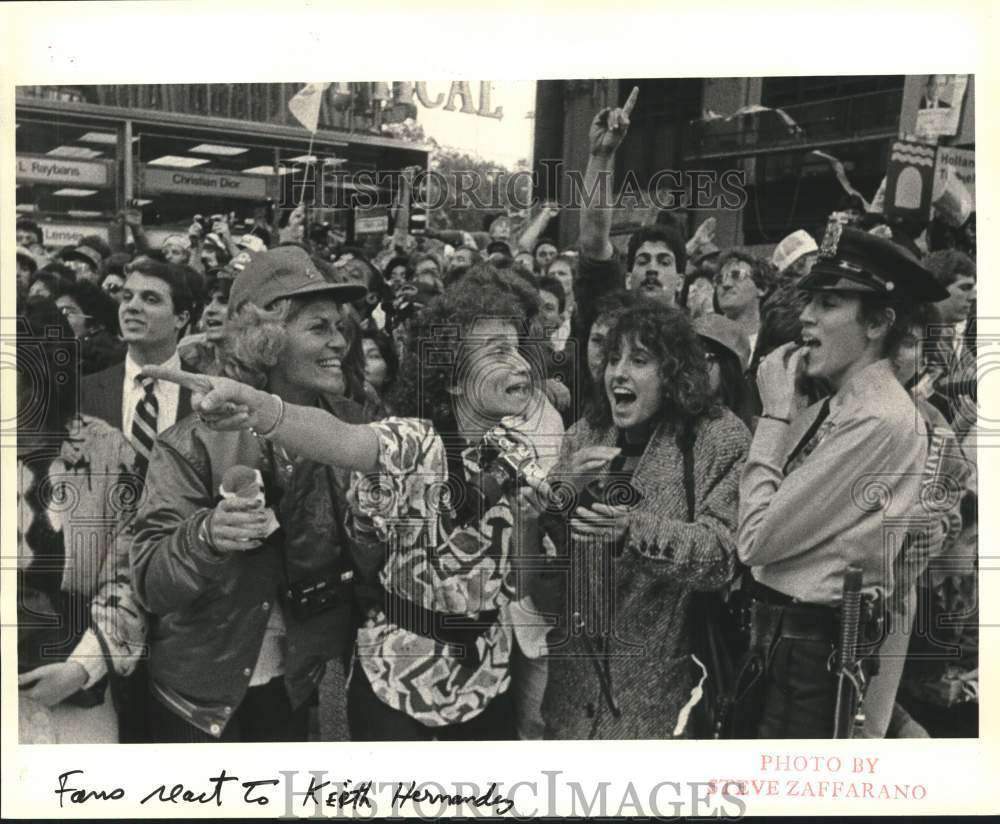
247, 575
431, 524
829, 487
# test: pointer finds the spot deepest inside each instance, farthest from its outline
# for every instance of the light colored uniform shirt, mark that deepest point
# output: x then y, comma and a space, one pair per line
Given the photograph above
850, 501
167, 395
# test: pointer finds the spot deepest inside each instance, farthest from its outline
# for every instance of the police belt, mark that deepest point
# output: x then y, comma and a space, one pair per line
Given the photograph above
804, 621
461, 632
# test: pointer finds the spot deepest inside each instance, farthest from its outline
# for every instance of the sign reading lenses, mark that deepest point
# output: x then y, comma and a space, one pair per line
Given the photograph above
218, 184
57, 170
69, 234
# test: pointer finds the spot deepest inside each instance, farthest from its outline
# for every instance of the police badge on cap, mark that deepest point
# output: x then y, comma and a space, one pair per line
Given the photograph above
851, 260
831, 239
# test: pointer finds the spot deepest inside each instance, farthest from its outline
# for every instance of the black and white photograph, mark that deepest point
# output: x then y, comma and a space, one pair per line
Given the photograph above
639, 407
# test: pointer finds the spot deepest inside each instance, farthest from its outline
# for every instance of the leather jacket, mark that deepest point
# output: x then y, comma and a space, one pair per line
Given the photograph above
209, 610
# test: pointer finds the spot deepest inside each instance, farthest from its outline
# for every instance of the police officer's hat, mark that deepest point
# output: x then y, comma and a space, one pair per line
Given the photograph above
851, 260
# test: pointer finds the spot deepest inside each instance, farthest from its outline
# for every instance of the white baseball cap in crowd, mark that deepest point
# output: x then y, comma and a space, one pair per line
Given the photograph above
251, 243
793, 247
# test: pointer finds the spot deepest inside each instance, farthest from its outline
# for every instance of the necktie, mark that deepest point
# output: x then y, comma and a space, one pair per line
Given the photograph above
816, 432
144, 425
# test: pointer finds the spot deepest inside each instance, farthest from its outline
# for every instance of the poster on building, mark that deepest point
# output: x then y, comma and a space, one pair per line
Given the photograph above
909, 180
962, 163
941, 106
954, 197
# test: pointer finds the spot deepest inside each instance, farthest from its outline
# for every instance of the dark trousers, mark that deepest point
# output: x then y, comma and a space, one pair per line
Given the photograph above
370, 719
800, 693
265, 714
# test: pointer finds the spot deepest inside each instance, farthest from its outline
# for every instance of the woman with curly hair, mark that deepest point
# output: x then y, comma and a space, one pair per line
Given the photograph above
431, 517
648, 514
247, 574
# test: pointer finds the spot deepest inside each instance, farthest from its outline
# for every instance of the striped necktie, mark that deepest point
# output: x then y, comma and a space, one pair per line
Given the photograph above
144, 425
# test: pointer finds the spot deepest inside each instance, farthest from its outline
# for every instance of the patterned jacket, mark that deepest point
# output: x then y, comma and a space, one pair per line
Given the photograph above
625, 621
74, 511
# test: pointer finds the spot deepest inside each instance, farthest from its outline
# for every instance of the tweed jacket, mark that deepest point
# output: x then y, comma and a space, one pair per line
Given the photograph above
624, 620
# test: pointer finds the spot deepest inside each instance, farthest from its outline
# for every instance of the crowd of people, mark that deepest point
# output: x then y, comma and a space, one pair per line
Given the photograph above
513, 490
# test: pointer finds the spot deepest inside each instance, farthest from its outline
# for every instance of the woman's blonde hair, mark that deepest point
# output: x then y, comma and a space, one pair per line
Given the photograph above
255, 338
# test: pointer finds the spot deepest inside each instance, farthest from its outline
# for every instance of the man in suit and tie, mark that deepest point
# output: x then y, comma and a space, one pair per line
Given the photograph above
157, 308
936, 86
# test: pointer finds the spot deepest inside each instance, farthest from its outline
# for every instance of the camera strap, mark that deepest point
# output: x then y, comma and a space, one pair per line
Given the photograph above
274, 493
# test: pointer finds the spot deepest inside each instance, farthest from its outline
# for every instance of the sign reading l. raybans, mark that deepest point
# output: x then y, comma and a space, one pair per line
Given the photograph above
59, 170
219, 184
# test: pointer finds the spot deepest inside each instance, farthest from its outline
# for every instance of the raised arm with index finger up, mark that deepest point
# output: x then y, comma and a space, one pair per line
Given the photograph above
607, 131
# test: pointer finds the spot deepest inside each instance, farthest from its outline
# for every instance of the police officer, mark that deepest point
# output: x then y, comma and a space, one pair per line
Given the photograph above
829, 485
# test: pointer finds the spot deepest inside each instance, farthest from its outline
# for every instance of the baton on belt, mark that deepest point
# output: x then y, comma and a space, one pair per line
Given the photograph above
848, 717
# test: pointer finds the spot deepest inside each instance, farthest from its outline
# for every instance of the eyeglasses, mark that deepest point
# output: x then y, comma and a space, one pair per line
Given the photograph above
112, 288
71, 311
710, 358
736, 275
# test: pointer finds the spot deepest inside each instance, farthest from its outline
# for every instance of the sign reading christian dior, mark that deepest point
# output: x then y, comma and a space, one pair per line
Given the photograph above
218, 184
58, 170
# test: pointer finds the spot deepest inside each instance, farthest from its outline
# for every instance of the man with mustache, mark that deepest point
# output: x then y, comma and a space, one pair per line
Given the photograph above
656, 261
656, 254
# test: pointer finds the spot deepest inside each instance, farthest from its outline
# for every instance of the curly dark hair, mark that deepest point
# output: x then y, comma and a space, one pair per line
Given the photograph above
524, 292
667, 333
432, 353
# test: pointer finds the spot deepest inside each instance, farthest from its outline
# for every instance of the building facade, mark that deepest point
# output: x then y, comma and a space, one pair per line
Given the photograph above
689, 126
85, 152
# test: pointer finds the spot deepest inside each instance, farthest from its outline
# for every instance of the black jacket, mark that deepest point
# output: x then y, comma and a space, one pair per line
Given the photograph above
210, 610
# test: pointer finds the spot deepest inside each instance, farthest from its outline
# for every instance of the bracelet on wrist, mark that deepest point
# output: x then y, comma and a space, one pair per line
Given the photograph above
277, 422
205, 535
777, 418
